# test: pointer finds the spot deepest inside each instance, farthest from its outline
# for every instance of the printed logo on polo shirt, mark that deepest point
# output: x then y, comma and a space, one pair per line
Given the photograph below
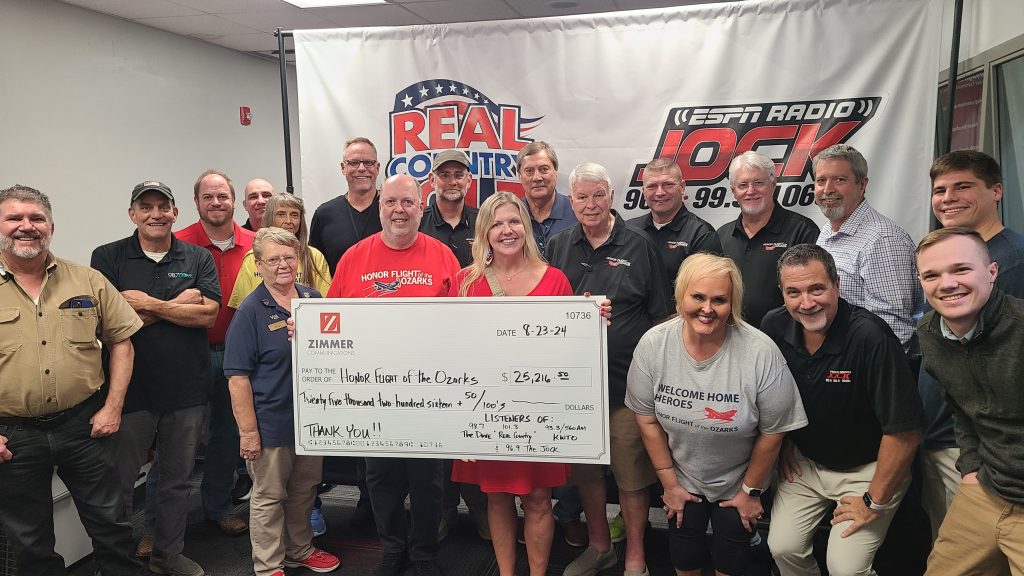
673, 244
839, 376
614, 262
772, 246
330, 322
180, 275
712, 414
704, 138
438, 114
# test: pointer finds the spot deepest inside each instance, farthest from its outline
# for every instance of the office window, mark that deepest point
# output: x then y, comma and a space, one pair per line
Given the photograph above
1010, 129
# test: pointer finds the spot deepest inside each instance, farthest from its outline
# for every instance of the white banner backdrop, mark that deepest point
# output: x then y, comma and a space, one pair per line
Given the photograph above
699, 84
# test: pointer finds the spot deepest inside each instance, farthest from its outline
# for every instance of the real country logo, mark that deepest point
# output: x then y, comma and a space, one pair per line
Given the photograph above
442, 113
330, 322
703, 140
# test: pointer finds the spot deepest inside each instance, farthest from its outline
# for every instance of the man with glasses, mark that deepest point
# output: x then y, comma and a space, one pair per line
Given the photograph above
172, 286
449, 219
550, 211
339, 223
676, 231
761, 233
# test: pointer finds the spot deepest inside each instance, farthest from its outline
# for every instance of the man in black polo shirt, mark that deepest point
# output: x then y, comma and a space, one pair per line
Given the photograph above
448, 219
761, 233
340, 223
676, 231
600, 255
864, 420
173, 287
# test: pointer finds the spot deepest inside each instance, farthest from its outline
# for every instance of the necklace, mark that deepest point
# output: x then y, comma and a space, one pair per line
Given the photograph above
508, 277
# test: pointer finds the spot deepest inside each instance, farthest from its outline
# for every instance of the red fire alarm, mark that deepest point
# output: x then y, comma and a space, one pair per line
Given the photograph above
244, 115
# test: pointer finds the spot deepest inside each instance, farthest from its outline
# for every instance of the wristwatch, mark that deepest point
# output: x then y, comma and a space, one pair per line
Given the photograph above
878, 507
753, 492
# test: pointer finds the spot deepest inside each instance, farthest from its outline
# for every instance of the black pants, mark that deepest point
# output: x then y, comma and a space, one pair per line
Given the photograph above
87, 468
389, 480
730, 543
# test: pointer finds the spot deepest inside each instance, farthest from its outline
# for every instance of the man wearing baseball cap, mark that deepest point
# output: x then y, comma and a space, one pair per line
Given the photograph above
447, 218
172, 285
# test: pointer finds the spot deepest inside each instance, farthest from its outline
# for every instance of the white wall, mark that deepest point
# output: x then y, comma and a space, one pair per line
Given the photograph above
91, 105
986, 24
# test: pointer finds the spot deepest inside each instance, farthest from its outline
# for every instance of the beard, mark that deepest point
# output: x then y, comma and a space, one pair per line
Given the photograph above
7, 245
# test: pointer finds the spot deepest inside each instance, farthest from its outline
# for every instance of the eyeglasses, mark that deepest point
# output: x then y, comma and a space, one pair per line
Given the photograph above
744, 186
276, 260
450, 175
355, 163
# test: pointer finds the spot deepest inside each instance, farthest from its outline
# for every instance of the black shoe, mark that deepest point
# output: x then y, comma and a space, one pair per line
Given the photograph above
426, 568
242, 490
362, 517
391, 564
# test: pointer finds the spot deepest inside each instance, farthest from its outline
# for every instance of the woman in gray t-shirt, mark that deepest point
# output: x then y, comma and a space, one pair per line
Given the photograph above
714, 398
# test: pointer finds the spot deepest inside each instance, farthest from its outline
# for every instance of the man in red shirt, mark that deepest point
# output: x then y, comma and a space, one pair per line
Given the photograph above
398, 262
228, 242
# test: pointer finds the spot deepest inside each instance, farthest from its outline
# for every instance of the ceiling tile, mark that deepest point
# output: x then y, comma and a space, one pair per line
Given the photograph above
270, 20
233, 6
256, 42
443, 11
206, 26
540, 8
358, 16
132, 9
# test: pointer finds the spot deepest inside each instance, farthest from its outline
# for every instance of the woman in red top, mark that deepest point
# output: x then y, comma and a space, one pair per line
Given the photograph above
506, 262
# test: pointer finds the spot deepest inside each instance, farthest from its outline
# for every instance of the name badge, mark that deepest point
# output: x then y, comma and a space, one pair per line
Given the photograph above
277, 325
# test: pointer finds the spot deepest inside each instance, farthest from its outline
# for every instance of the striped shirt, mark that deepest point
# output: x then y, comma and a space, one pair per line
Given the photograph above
877, 271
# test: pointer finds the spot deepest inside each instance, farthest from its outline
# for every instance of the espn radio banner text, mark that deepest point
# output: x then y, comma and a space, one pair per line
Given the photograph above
482, 378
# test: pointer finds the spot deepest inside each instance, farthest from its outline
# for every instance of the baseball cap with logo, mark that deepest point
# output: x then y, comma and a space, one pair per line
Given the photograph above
148, 185
449, 156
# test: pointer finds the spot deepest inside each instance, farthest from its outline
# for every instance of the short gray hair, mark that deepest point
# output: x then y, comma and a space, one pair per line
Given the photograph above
27, 194
751, 159
590, 172
844, 152
276, 235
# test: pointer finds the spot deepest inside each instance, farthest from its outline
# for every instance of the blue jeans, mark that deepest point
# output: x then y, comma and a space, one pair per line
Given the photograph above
222, 448
86, 466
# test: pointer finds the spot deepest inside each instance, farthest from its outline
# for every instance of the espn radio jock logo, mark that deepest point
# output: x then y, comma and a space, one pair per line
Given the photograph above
703, 140
434, 115
330, 322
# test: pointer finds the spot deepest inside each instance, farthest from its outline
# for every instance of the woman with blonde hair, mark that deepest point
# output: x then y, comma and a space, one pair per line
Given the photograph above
507, 262
714, 399
285, 211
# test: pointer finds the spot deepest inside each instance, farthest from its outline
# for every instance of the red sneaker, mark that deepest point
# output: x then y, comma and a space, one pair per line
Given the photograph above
318, 561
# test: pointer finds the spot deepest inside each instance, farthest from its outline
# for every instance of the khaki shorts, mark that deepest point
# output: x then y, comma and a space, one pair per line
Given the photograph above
630, 463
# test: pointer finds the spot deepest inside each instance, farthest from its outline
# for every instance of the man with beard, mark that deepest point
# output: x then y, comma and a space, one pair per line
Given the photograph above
449, 219
864, 421
173, 287
228, 243
254, 200
761, 233
55, 410
875, 257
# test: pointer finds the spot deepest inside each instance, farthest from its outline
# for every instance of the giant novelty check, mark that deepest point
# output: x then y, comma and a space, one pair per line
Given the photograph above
483, 378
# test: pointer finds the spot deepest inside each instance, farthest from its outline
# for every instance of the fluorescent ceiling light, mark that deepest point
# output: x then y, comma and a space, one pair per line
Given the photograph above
327, 3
